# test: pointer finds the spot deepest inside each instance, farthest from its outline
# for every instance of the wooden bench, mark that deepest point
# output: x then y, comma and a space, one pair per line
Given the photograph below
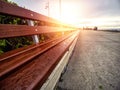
37, 66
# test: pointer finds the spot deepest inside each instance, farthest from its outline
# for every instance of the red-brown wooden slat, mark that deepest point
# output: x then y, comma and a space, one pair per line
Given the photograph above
7, 30
33, 74
19, 59
9, 9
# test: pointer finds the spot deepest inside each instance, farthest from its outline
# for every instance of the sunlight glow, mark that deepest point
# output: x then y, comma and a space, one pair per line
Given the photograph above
70, 12
77, 12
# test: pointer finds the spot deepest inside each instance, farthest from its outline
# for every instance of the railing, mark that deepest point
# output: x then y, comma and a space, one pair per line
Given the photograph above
38, 65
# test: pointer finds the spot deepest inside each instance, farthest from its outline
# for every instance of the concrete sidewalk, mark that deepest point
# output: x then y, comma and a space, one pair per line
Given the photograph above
95, 63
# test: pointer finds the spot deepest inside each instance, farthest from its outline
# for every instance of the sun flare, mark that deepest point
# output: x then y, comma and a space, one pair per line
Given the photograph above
69, 13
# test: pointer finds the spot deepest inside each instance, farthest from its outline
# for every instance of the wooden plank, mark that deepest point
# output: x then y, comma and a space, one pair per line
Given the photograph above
7, 30
33, 74
59, 69
8, 61
9, 9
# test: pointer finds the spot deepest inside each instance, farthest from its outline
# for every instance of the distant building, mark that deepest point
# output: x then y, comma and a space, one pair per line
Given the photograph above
95, 28
90, 28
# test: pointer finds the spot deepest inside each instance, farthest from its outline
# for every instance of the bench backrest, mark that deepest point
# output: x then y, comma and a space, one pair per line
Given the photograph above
30, 16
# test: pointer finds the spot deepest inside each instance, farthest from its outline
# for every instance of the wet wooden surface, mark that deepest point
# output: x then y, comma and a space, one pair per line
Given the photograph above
95, 63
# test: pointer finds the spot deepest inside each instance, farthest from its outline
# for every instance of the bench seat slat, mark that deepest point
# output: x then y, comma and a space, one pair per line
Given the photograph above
32, 75
17, 60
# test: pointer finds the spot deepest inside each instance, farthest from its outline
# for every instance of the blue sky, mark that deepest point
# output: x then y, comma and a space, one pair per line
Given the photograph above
79, 12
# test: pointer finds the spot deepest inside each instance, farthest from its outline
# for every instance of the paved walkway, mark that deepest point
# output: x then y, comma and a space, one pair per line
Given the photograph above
95, 63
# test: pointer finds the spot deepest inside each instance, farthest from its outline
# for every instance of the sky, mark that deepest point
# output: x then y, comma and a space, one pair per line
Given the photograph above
101, 13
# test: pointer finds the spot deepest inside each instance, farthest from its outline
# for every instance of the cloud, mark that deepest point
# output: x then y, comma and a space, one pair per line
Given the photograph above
102, 8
